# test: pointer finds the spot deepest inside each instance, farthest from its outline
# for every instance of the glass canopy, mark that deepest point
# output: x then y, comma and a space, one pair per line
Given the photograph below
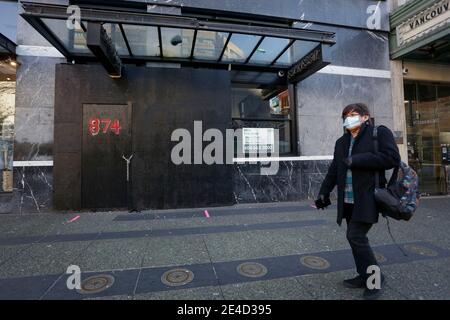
149, 37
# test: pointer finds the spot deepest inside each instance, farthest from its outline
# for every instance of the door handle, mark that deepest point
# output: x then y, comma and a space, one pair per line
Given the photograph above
127, 160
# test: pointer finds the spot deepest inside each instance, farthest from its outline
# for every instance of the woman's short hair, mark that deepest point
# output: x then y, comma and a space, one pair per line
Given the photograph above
359, 108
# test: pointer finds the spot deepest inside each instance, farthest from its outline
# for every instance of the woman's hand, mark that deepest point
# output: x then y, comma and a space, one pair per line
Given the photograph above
322, 201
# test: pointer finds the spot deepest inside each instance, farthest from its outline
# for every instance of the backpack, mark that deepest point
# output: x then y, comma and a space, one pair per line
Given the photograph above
400, 199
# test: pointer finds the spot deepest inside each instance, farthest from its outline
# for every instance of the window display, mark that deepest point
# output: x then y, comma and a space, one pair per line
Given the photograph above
259, 112
7, 103
428, 126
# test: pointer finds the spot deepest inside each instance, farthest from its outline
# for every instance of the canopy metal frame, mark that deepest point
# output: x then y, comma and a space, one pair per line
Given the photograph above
35, 12
8, 46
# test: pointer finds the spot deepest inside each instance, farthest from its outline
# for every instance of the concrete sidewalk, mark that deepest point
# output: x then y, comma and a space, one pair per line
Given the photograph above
257, 251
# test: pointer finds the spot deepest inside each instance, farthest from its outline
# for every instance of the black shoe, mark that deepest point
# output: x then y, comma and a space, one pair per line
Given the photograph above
373, 294
356, 283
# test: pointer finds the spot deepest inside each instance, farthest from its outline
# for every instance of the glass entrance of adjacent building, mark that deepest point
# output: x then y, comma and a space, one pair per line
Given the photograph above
428, 129
8, 65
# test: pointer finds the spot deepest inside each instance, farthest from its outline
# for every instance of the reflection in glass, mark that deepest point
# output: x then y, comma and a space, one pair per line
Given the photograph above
268, 50
113, 31
143, 40
177, 43
295, 52
209, 44
279, 105
74, 40
240, 47
252, 108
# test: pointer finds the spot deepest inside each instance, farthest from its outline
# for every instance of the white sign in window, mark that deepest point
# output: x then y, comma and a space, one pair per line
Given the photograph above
258, 140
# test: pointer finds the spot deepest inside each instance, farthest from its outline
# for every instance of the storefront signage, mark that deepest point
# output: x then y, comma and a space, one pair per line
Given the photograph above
306, 65
424, 22
258, 140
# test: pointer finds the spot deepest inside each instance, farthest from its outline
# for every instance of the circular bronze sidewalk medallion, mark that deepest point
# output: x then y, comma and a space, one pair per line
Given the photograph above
423, 251
96, 284
177, 277
314, 262
252, 270
380, 258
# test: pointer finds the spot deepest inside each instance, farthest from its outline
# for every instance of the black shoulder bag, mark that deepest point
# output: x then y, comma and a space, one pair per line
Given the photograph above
385, 201
389, 199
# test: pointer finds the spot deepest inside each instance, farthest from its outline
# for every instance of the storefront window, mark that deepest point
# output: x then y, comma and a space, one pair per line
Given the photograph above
7, 103
8, 33
258, 113
428, 125
72, 39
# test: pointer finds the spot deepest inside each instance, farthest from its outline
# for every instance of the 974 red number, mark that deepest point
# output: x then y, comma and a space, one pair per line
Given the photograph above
96, 125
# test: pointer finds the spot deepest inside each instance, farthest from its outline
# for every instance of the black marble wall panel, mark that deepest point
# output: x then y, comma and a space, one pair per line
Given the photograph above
295, 181
6, 202
33, 188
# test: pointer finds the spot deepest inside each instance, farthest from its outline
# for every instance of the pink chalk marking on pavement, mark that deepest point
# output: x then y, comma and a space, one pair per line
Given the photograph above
73, 220
206, 214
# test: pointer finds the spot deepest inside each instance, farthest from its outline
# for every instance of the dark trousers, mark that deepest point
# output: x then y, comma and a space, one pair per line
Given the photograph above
357, 238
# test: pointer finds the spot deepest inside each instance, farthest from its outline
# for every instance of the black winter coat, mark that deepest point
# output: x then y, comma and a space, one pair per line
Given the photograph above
365, 162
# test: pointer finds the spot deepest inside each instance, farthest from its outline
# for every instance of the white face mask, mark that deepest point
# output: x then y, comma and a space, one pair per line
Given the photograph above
352, 122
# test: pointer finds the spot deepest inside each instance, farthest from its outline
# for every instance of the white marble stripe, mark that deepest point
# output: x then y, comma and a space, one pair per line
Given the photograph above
236, 160
38, 51
48, 163
357, 72
267, 159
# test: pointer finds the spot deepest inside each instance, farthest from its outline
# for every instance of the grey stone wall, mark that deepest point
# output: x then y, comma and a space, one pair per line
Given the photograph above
35, 89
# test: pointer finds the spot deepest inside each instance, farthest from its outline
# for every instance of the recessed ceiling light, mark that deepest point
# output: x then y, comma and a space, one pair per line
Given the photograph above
13, 63
8, 79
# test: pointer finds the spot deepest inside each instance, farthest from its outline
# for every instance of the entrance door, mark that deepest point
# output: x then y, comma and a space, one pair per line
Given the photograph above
106, 139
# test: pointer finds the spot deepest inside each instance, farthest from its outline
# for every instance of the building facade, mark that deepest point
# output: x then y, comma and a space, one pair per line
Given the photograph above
194, 65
